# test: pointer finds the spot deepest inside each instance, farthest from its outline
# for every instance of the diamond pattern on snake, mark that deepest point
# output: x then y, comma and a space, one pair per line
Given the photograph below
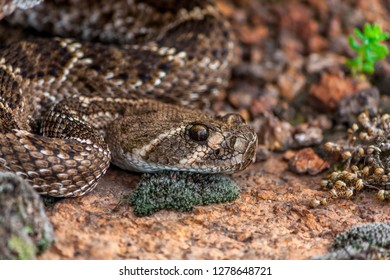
127, 82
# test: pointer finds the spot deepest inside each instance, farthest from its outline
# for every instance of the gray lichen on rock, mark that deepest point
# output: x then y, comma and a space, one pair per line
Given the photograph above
367, 241
181, 191
25, 230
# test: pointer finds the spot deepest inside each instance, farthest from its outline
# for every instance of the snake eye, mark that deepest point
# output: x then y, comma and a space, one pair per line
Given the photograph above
198, 132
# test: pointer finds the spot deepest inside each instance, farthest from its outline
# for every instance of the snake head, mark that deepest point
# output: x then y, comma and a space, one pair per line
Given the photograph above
167, 137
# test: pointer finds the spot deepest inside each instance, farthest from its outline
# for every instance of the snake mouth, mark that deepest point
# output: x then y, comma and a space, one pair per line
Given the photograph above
247, 157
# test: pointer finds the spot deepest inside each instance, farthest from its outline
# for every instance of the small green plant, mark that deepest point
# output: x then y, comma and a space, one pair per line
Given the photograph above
369, 49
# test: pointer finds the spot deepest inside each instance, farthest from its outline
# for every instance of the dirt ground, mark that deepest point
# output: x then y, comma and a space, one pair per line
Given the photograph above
271, 220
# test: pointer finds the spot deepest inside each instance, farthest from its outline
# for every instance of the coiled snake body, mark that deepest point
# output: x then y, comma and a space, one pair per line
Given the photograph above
68, 108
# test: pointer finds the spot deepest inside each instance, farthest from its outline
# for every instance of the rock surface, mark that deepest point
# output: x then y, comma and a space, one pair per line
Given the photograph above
368, 241
271, 220
24, 227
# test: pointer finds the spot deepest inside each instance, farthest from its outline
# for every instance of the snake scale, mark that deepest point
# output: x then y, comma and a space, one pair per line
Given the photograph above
129, 91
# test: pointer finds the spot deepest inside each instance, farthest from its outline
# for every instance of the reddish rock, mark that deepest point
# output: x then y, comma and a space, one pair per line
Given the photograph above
254, 35
317, 44
307, 161
327, 93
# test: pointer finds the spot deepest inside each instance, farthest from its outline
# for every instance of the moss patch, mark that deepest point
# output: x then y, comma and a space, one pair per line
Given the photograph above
23, 248
181, 191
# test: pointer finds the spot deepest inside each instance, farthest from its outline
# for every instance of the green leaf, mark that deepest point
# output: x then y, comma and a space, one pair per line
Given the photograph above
353, 43
381, 51
359, 34
384, 36
368, 30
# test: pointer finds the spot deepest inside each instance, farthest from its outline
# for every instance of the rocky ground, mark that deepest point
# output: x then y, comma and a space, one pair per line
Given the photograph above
271, 220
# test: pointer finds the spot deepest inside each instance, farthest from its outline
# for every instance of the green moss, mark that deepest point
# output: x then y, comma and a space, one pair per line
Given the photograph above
23, 249
181, 191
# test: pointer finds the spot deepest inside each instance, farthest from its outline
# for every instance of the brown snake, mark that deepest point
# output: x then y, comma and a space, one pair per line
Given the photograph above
68, 108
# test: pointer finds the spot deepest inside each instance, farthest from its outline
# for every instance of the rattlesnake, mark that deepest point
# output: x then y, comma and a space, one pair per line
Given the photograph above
68, 107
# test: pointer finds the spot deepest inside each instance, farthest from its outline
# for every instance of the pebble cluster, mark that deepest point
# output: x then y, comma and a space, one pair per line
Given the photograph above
365, 158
